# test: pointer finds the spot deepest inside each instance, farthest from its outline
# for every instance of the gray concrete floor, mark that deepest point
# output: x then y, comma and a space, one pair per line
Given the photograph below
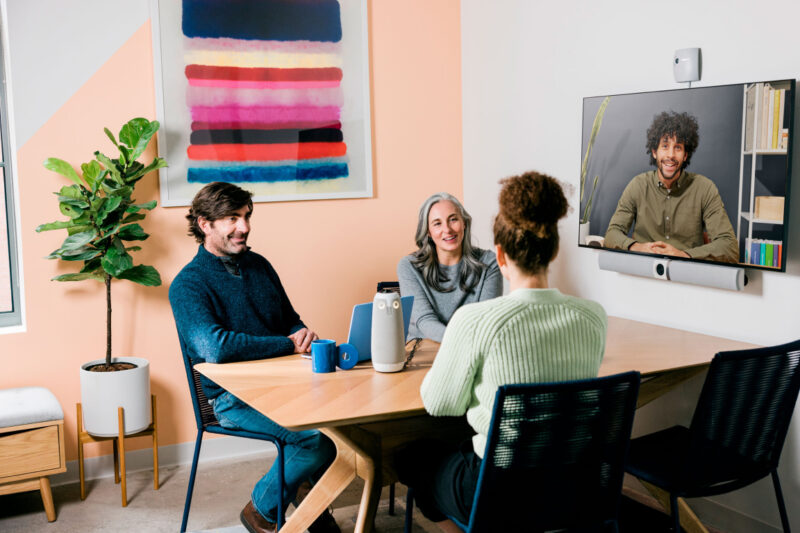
221, 490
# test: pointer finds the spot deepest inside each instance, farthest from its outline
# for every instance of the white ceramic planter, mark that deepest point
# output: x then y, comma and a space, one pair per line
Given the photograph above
583, 232
103, 392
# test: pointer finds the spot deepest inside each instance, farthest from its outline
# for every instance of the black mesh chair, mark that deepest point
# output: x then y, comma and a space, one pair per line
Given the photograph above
206, 421
555, 456
736, 434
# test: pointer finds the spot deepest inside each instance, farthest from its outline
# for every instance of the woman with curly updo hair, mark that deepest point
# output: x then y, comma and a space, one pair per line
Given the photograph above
534, 334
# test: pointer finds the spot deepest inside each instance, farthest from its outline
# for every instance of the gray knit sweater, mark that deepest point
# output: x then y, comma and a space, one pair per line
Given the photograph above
529, 336
433, 309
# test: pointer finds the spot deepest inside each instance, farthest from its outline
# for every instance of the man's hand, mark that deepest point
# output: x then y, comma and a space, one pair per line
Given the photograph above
302, 340
657, 247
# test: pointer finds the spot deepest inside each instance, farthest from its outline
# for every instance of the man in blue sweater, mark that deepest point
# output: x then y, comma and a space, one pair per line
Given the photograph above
229, 305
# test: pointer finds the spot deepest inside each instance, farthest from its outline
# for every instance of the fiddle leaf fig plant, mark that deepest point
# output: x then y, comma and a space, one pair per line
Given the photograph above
103, 216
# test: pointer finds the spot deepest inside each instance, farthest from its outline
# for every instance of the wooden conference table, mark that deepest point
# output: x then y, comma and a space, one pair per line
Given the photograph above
367, 414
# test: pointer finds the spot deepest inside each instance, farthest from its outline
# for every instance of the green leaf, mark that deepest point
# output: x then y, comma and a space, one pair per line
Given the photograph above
92, 265
109, 206
73, 242
131, 132
133, 248
85, 218
70, 191
63, 168
145, 134
110, 136
78, 228
133, 217
116, 261
71, 211
92, 172
74, 202
123, 192
143, 275
132, 232
54, 225
81, 254
111, 227
124, 156
78, 277
136, 207
154, 165
110, 166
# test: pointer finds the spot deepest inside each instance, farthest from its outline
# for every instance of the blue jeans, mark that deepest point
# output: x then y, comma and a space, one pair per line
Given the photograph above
307, 454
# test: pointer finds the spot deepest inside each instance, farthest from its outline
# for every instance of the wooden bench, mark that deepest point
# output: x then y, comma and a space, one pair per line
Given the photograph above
31, 442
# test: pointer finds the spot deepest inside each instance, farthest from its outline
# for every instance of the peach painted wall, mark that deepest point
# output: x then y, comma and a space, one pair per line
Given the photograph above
329, 253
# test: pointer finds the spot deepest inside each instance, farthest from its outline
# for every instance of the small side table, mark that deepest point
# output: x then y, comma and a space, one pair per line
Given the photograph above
31, 442
119, 448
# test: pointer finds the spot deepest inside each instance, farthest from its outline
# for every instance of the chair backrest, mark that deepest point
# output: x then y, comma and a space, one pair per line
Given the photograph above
203, 411
742, 415
555, 454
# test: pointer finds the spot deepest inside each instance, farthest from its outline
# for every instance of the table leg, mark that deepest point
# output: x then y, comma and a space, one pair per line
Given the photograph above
649, 391
371, 495
367, 449
652, 388
689, 521
338, 476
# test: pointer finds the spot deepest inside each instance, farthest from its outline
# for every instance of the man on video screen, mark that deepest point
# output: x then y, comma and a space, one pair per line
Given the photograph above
673, 212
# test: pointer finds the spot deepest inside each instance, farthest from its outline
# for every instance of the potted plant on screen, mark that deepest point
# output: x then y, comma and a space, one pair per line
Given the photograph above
102, 222
587, 207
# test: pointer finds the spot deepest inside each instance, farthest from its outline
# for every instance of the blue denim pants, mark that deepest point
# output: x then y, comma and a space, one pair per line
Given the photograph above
307, 454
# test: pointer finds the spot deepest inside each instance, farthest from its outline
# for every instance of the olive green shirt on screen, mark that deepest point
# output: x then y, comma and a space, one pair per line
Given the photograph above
676, 216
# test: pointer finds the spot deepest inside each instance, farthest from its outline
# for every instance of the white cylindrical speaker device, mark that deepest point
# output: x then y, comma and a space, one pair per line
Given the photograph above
387, 345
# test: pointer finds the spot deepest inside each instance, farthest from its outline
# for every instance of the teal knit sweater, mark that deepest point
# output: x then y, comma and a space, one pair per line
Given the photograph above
529, 336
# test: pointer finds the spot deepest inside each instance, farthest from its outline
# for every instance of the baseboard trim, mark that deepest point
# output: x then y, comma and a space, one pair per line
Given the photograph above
728, 519
213, 449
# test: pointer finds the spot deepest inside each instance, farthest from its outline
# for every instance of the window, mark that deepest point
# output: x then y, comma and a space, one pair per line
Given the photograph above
10, 304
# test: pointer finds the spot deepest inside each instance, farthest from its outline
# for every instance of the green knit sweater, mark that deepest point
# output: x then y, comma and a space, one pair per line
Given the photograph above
529, 336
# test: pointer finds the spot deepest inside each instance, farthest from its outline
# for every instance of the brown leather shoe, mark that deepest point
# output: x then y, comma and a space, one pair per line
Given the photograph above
325, 523
254, 522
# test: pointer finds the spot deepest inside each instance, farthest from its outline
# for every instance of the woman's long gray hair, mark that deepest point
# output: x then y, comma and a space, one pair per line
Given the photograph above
427, 262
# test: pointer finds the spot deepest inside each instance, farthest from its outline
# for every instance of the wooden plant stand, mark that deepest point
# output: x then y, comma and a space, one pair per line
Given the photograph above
119, 448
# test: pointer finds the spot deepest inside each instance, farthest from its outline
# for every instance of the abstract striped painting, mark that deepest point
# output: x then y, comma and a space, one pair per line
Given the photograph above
266, 99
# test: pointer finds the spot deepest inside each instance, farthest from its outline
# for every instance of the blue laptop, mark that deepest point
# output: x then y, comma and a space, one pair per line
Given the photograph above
360, 334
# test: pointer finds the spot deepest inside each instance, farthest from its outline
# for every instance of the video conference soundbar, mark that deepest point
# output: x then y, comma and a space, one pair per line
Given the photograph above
721, 277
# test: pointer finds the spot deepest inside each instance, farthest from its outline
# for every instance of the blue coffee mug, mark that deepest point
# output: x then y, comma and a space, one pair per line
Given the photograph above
323, 355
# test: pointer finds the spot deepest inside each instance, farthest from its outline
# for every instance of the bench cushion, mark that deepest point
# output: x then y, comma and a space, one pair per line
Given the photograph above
28, 405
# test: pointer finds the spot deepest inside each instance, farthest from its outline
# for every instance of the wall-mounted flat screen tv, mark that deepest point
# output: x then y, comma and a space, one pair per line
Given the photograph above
698, 174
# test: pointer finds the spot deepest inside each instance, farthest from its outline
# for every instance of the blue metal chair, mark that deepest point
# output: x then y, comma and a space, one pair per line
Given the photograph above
737, 431
206, 421
555, 456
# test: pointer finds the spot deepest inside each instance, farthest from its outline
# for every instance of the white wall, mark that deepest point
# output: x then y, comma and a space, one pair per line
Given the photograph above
56, 46
527, 65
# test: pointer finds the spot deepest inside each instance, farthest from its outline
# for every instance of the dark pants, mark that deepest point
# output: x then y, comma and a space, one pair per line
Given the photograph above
443, 476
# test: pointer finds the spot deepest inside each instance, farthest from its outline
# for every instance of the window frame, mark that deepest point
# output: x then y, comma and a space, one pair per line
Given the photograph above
10, 321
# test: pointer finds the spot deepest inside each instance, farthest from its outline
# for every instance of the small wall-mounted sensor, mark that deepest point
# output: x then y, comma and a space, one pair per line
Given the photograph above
686, 64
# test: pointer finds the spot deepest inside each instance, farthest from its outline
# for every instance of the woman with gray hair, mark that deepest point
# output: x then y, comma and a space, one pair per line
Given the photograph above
447, 270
